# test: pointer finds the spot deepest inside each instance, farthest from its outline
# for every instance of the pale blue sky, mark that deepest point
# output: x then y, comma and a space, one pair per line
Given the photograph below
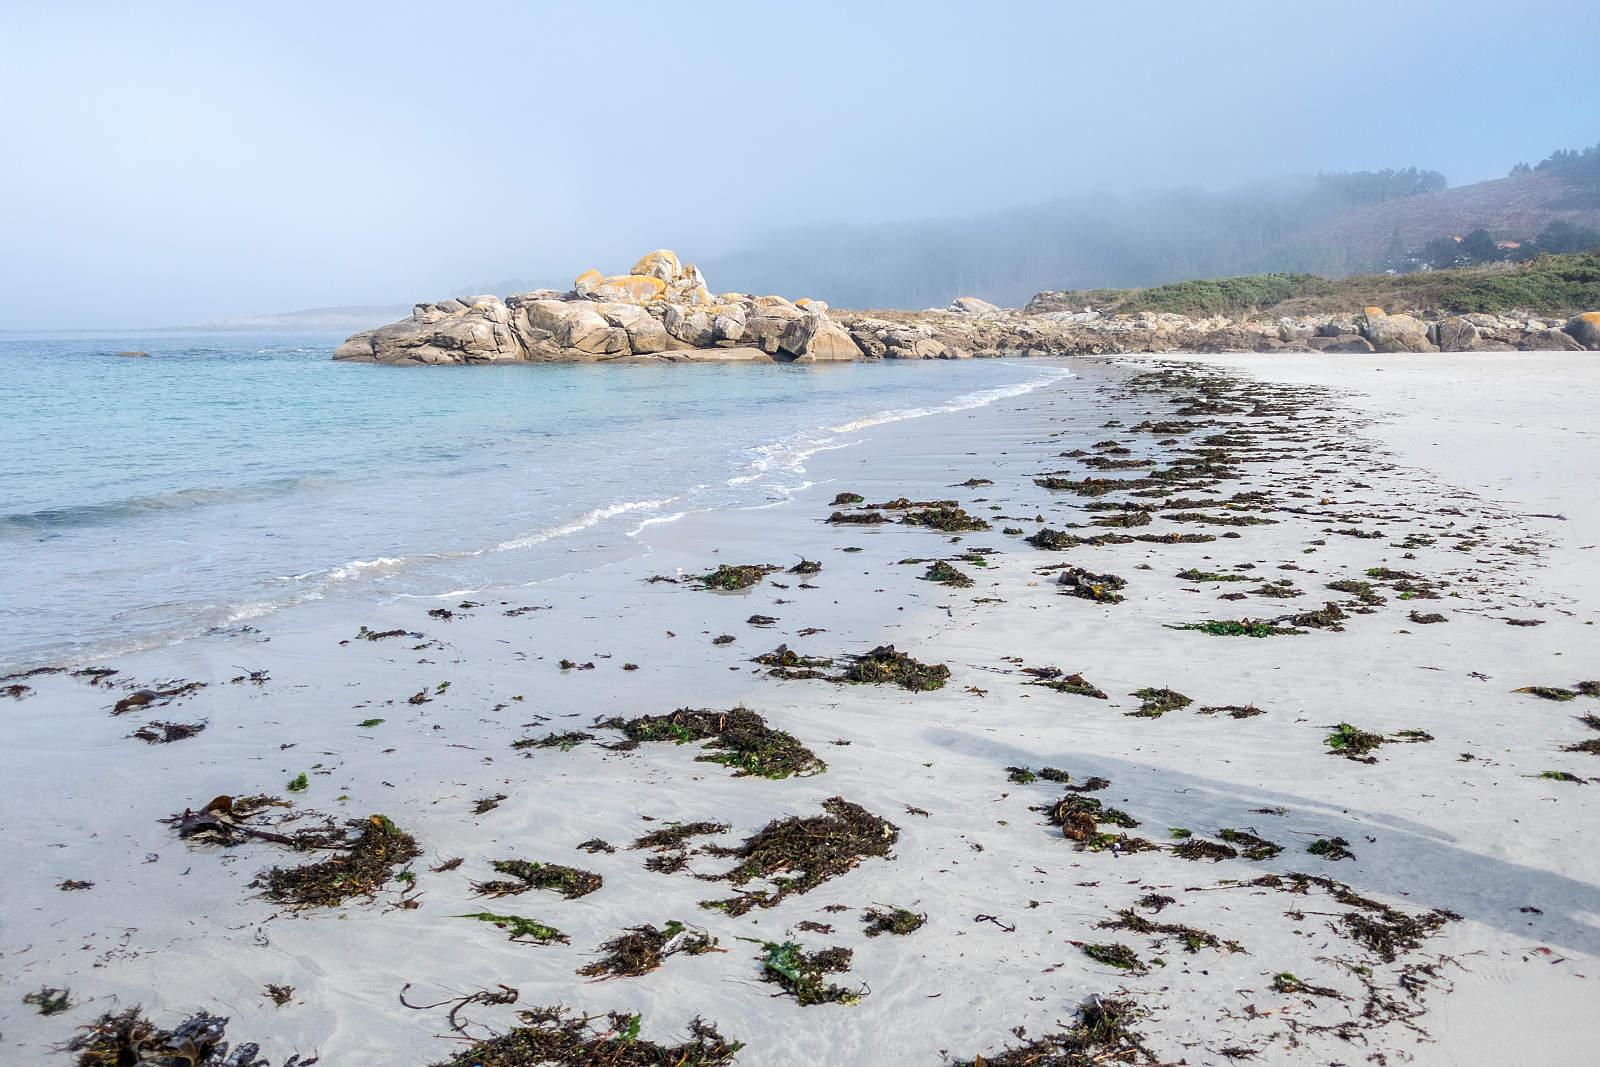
168, 163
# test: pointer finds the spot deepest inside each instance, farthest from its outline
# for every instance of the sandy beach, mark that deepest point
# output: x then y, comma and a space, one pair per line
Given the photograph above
1188, 848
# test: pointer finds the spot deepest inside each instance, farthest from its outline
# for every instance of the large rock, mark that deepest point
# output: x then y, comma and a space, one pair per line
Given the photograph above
1537, 340
691, 327
1394, 333
637, 288
1455, 334
660, 264
1585, 329
815, 338
971, 305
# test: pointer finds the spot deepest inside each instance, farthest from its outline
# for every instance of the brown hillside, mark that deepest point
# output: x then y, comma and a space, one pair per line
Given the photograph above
1512, 209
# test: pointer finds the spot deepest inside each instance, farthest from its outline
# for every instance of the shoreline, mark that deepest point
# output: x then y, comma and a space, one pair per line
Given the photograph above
546, 505
1441, 831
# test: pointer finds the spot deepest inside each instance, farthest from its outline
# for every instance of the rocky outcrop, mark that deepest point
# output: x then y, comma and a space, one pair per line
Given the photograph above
1395, 333
662, 309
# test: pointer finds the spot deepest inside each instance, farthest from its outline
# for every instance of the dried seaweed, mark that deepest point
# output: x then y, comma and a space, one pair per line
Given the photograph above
740, 739
555, 1036
368, 862
1054, 678
1157, 702
795, 855
1101, 1035
883, 665
162, 733
639, 950
565, 741
570, 882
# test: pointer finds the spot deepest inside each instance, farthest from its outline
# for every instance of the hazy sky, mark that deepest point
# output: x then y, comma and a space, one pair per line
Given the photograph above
170, 163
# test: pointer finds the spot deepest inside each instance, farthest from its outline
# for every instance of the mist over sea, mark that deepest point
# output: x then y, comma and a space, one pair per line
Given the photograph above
232, 475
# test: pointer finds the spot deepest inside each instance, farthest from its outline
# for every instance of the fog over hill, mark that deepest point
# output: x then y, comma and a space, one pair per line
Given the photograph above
1332, 224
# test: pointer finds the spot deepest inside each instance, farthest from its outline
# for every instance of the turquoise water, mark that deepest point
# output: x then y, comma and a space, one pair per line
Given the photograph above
232, 475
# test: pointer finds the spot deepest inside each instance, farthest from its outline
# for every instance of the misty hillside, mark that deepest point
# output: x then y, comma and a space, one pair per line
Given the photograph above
1333, 225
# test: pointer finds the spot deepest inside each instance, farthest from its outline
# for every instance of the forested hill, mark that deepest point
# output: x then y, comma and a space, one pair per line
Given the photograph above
1333, 225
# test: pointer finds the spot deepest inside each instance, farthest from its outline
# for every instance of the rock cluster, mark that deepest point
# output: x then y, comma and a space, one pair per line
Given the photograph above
663, 309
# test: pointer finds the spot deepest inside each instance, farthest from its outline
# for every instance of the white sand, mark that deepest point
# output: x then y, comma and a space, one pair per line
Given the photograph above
176, 928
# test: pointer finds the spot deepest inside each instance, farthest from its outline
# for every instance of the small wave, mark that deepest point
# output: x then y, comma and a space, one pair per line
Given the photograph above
582, 522
655, 520
964, 402
151, 504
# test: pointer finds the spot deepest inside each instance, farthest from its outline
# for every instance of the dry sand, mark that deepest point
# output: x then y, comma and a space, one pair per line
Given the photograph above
1463, 455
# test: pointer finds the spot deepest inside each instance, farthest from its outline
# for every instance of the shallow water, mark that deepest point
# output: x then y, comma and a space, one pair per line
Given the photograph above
234, 474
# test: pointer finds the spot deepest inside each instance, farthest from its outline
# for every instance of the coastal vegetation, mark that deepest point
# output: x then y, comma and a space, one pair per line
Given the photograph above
1547, 284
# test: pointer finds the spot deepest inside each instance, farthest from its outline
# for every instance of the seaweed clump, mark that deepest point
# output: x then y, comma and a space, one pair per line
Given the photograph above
639, 950
857, 518
127, 1037
1061, 682
787, 663
892, 921
1157, 702
948, 519
1237, 628
795, 855
884, 665
728, 578
368, 862
1100, 1036
1114, 954
163, 733
1080, 818
556, 1036
1354, 744
804, 973
740, 738
1255, 848
1101, 588
943, 573
570, 882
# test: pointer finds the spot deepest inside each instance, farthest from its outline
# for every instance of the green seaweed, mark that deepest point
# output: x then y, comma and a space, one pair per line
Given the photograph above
528, 931
1354, 744
1114, 954
1331, 848
804, 973
728, 578
1236, 628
